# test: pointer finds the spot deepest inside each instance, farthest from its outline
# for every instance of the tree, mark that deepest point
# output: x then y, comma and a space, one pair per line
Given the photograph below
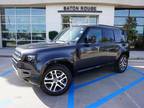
130, 28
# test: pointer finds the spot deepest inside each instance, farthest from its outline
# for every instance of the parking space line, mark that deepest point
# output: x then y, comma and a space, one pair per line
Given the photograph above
96, 80
107, 98
123, 89
114, 94
72, 88
71, 96
127, 94
136, 70
6, 72
93, 81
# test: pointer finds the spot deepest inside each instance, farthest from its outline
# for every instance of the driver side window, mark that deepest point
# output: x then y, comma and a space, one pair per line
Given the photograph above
93, 31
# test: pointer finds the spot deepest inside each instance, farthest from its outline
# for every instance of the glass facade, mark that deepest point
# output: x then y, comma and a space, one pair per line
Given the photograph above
68, 21
21, 25
121, 16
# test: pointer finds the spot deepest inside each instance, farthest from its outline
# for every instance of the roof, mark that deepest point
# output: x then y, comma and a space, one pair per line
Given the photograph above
100, 25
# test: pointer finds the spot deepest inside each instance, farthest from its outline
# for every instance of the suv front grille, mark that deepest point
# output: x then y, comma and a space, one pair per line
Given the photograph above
17, 56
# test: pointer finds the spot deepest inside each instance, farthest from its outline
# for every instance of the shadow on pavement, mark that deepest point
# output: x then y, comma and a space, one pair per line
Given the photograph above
62, 100
13, 79
51, 101
8, 73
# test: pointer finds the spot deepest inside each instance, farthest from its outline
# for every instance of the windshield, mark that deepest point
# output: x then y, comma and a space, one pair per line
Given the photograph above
70, 34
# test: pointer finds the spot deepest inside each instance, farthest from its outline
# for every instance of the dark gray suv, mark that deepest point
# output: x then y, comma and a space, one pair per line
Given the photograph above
77, 49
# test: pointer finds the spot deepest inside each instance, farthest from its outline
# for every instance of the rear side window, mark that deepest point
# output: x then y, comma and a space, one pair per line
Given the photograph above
119, 35
108, 35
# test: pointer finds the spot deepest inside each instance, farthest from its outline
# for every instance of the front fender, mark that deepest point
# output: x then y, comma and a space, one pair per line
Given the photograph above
55, 55
54, 61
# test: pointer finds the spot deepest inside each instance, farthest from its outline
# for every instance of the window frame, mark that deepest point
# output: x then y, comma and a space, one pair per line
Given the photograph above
81, 40
112, 33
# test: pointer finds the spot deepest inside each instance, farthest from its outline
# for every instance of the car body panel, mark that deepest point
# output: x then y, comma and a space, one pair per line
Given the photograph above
82, 56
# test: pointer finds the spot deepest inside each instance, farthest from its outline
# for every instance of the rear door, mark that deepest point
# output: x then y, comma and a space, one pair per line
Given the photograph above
108, 46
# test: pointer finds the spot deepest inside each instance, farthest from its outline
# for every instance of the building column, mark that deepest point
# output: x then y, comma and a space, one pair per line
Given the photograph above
0, 34
53, 20
107, 15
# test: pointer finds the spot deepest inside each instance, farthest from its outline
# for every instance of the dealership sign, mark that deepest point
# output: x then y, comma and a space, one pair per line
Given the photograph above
79, 9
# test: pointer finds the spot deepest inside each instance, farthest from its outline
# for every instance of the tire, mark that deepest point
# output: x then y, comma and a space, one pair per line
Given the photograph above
121, 64
56, 80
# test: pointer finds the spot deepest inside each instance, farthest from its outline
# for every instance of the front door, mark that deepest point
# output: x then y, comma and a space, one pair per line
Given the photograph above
89, 55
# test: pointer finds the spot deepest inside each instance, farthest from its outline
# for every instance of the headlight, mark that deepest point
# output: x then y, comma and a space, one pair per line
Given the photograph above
31, 58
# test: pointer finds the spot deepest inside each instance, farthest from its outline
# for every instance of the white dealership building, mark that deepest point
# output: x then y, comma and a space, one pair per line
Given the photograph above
29, 21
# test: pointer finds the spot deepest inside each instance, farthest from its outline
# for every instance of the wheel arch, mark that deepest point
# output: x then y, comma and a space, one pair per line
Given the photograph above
122, 53
65, 62
125, 53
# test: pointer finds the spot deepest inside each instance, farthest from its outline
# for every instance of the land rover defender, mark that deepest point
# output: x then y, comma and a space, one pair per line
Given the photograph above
77, 49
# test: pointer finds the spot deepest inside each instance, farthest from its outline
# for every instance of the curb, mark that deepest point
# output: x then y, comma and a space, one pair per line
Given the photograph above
136, 58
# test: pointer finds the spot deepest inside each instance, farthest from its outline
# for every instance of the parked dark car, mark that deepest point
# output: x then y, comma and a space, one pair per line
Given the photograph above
77, 49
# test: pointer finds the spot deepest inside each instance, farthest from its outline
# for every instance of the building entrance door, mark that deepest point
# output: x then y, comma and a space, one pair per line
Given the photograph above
79, 20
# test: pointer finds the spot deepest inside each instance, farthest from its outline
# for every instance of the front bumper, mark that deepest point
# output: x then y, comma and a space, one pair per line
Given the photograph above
26, 71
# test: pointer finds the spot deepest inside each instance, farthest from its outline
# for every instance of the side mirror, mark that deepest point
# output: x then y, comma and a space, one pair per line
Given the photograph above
90, 39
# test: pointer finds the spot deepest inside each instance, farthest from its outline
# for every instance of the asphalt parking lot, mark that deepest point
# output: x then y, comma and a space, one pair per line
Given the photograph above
101, 88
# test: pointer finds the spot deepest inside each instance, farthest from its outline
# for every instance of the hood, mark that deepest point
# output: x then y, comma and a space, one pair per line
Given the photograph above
37, 47
42, 45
